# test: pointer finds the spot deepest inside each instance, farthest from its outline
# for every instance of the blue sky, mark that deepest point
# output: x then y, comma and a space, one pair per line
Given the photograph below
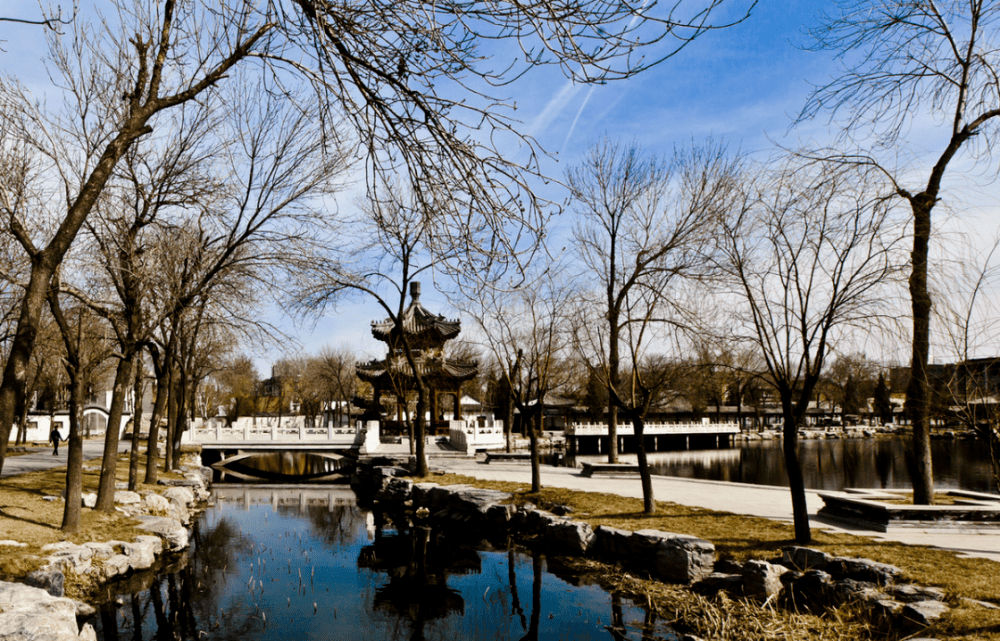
741, 85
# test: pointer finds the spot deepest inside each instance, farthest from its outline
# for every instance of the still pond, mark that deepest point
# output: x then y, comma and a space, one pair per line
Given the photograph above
832, 464
280, 562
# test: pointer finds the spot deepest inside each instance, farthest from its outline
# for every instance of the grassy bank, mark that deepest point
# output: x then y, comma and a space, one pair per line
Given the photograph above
741, 537
26, 516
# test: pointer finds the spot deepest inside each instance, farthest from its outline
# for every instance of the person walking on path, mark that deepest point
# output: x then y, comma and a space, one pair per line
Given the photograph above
54, 437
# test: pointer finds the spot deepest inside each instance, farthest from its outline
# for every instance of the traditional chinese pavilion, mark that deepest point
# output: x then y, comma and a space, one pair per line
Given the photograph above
426, 333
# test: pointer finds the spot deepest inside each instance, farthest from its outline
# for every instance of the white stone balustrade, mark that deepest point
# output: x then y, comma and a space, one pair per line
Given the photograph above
362, 435
654, 429
476, 435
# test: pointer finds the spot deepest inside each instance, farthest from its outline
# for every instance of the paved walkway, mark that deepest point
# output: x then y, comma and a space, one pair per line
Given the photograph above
43, 459
740, 498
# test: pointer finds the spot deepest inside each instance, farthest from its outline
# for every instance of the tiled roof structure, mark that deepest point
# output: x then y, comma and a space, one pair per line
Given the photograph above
426, 334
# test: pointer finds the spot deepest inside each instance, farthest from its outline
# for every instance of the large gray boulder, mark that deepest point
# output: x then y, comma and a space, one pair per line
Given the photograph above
170, 530
570, 537
69, 557
182, 495
923, 613
684, 559
863, 570
762, 580
32, 614
111, 567
910, 593
124, 497
155, 504
420, 493
802, 558
142, 552
611, 542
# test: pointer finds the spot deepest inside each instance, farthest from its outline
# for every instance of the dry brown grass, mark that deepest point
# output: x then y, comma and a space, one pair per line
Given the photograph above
744, 537
26, 517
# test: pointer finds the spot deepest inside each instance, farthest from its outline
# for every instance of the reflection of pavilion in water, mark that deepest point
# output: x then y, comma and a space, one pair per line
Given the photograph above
418, 564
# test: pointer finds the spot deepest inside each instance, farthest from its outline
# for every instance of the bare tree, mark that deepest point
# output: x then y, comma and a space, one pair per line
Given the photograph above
806, 255
526, 330
380, 66
86, 350
902, 61
334, 369
968, 318
391, 254
642, 221
157, 57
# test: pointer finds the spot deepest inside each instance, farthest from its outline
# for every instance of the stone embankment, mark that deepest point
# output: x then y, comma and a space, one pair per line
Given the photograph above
37, 610
800, 579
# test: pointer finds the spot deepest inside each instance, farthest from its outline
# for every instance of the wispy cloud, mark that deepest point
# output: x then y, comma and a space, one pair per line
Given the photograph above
554, 107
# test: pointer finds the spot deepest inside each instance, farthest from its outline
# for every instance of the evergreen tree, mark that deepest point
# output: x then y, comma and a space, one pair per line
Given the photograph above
881, 402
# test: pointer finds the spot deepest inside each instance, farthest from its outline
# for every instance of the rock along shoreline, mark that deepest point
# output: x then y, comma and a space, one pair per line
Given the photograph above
800, 579
37, 609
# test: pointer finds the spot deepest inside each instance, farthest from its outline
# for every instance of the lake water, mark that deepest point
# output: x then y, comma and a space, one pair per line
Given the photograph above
286, 563
828, 464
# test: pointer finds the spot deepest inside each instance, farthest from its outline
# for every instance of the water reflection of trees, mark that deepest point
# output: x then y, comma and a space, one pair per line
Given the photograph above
184, 601
832, 464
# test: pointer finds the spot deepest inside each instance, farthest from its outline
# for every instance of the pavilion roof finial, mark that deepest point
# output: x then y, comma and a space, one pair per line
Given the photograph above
414, 291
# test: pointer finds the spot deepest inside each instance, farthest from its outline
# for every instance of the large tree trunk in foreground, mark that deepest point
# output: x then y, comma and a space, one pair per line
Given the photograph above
109, 464
133, 459
152, 443
796, 483
74, 461
916, 392
648, 501
14, 383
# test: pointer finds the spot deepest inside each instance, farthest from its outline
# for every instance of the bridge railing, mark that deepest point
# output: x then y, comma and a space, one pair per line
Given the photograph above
360, 435
655, 429
477, 434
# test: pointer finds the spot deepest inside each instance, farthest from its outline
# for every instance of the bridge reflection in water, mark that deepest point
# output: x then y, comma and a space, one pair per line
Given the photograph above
284, 467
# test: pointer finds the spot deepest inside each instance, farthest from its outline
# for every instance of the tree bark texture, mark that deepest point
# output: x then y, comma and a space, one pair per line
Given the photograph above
420, 464
106, 486
533, 429
12, 388
137, 389
917, 392
645, 478
74, 459
152, 443
796, 483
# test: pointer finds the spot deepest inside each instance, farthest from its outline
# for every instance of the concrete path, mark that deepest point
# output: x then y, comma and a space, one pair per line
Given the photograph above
740, 498
43, 459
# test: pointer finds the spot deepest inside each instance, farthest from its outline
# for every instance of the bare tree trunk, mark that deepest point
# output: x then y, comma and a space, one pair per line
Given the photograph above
796, 483
421, 468
106, 488
646, 480
916, 393
137, 389
168, 454
152, 443
180, 416
74, 460
12, 389
509, 427
533, 429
